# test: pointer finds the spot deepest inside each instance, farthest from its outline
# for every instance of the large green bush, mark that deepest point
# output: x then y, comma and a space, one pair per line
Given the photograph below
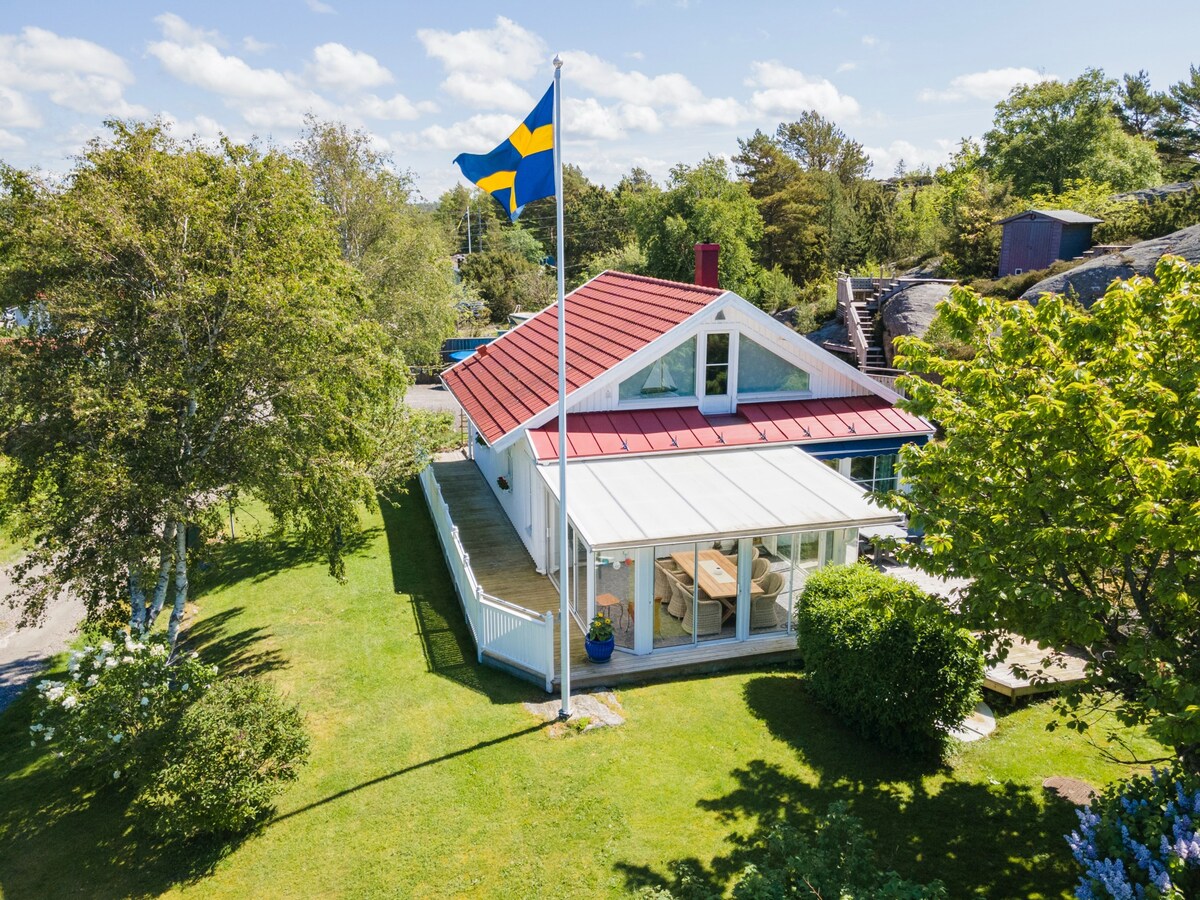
238, 744
879, 654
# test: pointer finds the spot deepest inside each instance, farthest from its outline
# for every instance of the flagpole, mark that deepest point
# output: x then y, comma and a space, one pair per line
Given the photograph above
564, 615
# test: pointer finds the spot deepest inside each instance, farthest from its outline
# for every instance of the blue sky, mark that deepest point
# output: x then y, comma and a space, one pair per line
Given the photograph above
645, 82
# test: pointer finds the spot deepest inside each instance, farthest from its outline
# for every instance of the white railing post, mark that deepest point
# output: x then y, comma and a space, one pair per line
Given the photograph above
483, 635
549, 619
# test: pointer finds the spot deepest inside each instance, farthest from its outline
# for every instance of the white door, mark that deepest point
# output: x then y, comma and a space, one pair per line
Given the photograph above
716, 386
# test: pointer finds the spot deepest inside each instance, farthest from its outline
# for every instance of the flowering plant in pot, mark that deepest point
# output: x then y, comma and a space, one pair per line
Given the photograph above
503, 484
599, 640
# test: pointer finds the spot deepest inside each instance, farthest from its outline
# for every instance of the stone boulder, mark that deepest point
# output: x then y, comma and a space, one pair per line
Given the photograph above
1088, 281
910, 311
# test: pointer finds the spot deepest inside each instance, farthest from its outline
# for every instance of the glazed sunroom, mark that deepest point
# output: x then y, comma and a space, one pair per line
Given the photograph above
685, 549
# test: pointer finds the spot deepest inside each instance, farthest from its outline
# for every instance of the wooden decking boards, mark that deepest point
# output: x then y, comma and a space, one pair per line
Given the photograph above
1027, 655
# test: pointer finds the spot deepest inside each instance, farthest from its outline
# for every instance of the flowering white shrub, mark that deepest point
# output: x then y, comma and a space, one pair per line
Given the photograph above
1140, 840
200, 756
109, 714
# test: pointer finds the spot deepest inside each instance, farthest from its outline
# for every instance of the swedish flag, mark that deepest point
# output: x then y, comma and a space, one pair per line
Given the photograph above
522, 168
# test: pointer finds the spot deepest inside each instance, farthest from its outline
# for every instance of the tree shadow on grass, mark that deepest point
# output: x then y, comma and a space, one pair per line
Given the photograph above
419, 573
218, 640
984, 840
257, 557
59, 836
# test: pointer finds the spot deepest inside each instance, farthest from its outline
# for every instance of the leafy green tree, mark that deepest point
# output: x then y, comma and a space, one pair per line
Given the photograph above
594, 222
1067, 486
507, 280
1048, 133
400, 250
1138, 105
701, 204
204, 338
970, 204
1178, 128
819, 145
791, 202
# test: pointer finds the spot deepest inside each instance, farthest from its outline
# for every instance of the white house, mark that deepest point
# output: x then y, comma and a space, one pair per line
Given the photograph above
715, 458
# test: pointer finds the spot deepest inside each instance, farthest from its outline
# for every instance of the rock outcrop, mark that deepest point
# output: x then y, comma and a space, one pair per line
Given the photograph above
910, 311
1088, 281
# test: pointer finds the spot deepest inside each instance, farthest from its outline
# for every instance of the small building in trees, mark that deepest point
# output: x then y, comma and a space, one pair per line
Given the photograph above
1036, 238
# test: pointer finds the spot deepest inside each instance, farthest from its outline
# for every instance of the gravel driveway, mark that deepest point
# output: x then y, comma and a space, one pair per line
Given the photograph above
24, 652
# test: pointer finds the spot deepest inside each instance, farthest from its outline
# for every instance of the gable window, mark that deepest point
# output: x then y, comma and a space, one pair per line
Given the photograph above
671, 375
762, 372
875, 473
716, 364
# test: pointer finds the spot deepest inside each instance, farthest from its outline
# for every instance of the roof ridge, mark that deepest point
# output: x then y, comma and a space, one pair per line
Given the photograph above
649, 279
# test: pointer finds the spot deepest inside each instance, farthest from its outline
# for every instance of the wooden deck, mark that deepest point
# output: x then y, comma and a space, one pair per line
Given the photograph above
1003, 680
504, 569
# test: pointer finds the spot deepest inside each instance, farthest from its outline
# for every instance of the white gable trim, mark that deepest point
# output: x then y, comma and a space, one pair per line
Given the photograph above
642, 357
804, 349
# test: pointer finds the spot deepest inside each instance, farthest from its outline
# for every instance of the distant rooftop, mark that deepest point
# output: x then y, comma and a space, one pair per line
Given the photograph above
1067, 216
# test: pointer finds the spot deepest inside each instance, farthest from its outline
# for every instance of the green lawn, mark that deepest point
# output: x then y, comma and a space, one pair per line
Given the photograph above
428, 779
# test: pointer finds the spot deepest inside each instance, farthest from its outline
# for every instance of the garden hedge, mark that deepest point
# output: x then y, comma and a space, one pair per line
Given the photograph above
884, 657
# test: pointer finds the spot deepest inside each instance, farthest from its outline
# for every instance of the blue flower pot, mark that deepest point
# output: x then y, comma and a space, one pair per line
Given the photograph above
599, 651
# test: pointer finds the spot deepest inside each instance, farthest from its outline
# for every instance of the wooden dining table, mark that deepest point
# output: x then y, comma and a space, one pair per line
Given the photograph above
716, 573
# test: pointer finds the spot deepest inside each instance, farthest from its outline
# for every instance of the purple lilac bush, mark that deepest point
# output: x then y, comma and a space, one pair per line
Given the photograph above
1140, 840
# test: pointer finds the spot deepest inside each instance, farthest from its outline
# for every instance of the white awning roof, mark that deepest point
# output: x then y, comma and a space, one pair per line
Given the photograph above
680, 497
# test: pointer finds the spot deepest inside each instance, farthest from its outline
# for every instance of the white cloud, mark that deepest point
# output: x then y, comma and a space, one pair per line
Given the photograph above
397, 108
10, 141
484, 65
16, 110
203, 65
869, 40
320, 8
712, 111
337, 66
488, 93
848, 66
253, 45
604, 79
782, 90
506, 50
478, 134
588, 118
992, 85
76, 74
177, 29
885, 158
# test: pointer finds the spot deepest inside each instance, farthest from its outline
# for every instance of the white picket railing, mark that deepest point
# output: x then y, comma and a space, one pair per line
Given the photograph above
502, 630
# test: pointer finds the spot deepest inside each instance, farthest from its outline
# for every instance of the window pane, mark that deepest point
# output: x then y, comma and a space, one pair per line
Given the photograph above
718, 348
671, 375
862, 469
770, 585
674, 594
615, 583
761, 371
716, 382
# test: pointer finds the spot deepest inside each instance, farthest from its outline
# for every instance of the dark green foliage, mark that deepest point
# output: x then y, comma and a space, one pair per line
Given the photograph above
836, 861
877, 652
507, 280
234, 749
1010, 287
1044, 135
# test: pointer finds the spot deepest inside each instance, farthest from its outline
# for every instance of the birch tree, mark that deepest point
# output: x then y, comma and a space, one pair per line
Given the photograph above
205, 339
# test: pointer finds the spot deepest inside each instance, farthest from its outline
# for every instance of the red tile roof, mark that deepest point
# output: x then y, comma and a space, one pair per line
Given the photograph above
611, 433
509, 381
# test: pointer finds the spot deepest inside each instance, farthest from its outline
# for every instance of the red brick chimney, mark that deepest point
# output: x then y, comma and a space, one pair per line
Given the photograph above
706, 265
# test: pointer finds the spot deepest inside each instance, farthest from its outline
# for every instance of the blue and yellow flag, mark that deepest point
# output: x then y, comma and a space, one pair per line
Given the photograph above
522, 168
